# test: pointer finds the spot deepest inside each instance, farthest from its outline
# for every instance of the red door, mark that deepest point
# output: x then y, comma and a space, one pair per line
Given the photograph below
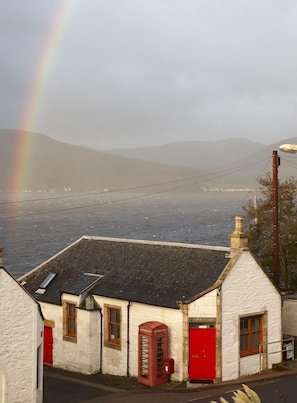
48, 345
202, 360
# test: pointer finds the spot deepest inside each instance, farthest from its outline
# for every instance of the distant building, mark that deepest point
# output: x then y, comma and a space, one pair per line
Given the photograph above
21, 343
148, 309
290, 315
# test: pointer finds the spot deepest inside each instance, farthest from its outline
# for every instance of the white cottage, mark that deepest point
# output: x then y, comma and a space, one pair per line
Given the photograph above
21, 343
149, 309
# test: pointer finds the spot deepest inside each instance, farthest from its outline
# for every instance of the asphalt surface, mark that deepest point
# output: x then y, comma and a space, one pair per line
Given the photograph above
63, 387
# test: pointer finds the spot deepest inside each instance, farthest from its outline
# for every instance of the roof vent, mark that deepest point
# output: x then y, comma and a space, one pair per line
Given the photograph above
40, 291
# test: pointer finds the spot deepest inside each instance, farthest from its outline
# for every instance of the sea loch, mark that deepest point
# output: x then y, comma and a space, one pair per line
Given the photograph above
39, 226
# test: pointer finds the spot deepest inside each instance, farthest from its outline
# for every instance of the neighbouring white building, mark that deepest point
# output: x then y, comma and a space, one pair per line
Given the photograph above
149, 309
290, 315
21, 343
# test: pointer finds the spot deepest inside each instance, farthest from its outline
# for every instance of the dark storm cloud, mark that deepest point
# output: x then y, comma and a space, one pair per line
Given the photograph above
136, 72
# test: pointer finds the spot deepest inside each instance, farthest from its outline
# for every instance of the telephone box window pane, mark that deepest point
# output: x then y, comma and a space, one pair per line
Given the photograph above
144, 357
160, 355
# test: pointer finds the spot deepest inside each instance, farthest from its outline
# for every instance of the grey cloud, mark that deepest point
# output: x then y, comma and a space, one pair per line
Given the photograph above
133, 72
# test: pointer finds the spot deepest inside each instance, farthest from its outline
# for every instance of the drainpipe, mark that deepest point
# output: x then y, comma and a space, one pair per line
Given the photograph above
101, 339
128, 337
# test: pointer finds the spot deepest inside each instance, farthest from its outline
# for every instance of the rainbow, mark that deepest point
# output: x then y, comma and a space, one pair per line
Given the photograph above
25, 142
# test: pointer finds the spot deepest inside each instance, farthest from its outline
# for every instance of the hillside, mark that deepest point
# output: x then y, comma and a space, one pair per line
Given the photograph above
205, 155
53, 166
251, 167
233, 162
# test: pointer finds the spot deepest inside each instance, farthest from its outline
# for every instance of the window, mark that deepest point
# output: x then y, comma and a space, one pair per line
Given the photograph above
113, 327
69, 321
250, 334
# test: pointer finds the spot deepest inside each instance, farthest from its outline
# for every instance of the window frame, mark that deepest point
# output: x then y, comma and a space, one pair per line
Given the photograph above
110, 322
249, 332
70, 321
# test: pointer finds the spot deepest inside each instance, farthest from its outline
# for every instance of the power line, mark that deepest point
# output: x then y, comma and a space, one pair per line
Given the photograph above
254, 184
202, 178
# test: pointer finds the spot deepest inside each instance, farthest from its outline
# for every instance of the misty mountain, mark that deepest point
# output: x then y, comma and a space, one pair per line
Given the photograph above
205, 155
253, 166
236, 163
50, 165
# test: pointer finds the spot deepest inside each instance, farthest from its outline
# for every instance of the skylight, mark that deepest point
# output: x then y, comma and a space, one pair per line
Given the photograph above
47, 280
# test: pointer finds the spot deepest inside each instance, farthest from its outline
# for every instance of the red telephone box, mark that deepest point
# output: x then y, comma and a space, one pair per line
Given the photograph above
152, 352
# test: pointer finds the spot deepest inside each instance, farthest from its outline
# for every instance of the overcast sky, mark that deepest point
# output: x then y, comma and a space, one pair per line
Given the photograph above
130, 73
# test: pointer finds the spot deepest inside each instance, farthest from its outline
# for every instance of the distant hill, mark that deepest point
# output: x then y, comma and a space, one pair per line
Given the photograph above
234, 163
205, 155
251, 167
53, 166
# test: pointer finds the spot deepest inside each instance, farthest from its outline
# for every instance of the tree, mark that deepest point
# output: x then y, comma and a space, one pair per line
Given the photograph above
259, 220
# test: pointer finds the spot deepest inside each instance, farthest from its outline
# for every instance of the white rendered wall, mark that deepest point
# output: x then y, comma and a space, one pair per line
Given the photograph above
21, 333
82, 355
115, 361
204, 307
289, 317
247, 291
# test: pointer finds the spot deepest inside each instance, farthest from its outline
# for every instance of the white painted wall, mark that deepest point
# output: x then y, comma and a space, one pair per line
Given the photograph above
115, 361
204, 307
21, 333
289, 317
247, 290
82, 355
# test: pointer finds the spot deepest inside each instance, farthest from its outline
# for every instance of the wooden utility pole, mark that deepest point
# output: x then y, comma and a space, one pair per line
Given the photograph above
275, 165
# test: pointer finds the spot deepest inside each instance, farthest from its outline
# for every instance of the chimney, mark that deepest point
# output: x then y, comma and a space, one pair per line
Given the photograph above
238, 239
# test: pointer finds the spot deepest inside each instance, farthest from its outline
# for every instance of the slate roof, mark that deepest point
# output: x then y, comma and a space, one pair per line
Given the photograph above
155, 273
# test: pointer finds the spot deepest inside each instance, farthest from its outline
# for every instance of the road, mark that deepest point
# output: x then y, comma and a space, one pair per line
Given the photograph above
273, 390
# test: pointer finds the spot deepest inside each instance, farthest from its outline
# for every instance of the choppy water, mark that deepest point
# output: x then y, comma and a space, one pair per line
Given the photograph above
34, 230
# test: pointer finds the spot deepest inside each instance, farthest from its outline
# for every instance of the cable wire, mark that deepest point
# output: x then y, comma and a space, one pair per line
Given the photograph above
202, 178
